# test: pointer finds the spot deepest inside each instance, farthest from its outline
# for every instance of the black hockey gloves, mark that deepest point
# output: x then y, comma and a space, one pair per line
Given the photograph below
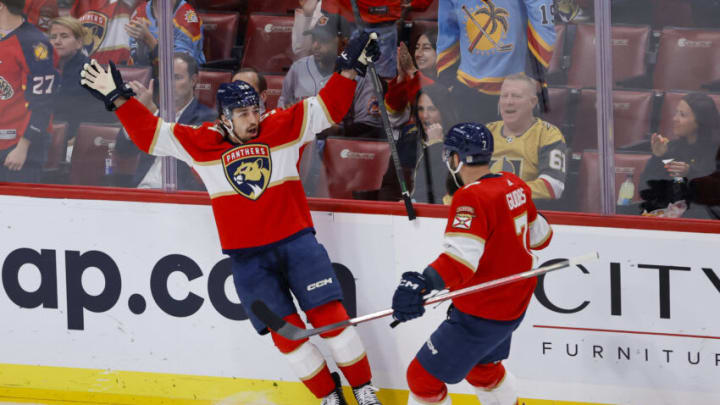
104, 85
408, 301
358, 52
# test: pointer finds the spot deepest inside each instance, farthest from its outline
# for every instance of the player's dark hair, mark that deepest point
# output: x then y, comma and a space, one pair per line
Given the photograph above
192, 65
440, 97
262, 83
706, 116
15, 7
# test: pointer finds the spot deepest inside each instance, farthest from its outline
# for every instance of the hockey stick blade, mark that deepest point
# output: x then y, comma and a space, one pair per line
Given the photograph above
292, 332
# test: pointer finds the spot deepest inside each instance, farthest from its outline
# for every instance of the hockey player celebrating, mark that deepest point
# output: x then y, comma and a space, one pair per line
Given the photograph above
249, 167
493, 224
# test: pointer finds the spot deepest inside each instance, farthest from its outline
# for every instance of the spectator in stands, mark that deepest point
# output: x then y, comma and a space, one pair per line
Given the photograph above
434, 118
188, 111
696, 125
105, 21
67, 35
305, 18
256, 79
479, 44
143, 32
309, 74
41, 12
27, 85
525, 145
378, 16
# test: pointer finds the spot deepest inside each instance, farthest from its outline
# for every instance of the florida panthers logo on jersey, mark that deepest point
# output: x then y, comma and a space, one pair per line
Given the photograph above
96, 24
248, 168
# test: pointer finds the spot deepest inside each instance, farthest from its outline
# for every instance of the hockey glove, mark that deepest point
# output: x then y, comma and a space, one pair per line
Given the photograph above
104, 85
664, 192
408, 301
358, 53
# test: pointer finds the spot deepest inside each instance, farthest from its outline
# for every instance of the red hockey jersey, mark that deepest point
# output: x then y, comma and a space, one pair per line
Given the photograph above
105, 20
27, 83
255, 189
493, 224
41, 12
372, 11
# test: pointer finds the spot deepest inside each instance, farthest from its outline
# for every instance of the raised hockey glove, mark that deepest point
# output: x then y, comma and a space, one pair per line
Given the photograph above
107, 86
408, 301
358, 53
663, 192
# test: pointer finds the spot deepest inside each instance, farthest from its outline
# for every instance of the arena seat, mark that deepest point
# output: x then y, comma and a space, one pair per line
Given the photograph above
222, 5
87, 164
588, 191
630, 46
273, 6
57, 148
268, 43
208, 82
672, 13
274, 90
220, 32
632, 112
354, 165
556, 62
140, 74
559, 97
687, 59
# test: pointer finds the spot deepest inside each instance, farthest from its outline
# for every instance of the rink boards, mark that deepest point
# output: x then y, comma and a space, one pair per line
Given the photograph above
124, 302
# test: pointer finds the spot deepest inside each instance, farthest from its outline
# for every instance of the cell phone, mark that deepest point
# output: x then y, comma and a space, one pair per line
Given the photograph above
666, 161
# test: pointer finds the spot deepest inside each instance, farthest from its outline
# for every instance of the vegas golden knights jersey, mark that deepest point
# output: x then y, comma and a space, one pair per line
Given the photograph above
537, 157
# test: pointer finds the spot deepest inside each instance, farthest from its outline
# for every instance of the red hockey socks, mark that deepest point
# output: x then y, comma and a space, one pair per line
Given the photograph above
305, 360
345, 345
423, 385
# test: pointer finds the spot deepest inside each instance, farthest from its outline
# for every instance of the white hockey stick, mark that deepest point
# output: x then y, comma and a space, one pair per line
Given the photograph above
292, 332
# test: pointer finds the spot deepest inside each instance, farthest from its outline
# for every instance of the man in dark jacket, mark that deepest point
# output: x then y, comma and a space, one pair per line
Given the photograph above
188, 110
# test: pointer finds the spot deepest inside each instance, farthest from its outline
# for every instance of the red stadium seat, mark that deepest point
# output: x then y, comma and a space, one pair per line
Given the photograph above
87, 165
220, 32
57, 149
687, 59
354, 165
589, 181
558, 106
632, 111
268, 43
630, 46
273, 6
430, 14
139, 74
274, 89
672, 13
222, 5
208, 82
556, 62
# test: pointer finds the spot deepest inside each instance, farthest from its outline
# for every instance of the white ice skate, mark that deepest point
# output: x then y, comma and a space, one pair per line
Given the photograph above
365, 395
336, 396
504, 394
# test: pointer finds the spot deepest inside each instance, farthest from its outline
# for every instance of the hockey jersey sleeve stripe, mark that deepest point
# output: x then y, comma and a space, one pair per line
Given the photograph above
555, 186
464, 248
540, 233
448, 57
193, 36
281, 181
541, 49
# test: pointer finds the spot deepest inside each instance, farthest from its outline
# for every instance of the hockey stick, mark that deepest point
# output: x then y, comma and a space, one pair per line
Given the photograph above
377, 87
500, 48
292, 332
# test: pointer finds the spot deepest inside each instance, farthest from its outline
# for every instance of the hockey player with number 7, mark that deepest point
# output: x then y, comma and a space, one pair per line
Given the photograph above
492, 227
249, 167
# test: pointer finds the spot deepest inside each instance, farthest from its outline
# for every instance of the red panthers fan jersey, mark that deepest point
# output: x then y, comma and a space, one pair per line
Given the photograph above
493, 225
27, 83
371, 11
255, 189
40, 12
105, 20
